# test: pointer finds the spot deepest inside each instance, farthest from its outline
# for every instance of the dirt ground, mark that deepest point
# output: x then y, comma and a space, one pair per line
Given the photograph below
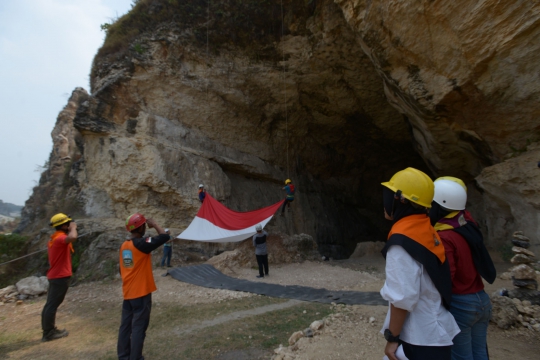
191, 322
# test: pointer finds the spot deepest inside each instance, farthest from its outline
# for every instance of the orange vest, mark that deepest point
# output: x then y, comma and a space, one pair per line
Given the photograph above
136, 271
419, 229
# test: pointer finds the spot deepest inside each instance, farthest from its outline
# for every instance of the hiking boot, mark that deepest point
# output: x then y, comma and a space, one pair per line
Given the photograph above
54, 334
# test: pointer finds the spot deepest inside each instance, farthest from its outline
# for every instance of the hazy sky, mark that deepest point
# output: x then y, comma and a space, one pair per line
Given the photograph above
46, 50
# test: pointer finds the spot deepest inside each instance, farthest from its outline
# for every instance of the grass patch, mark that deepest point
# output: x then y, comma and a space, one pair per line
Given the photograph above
92, 322
264, 332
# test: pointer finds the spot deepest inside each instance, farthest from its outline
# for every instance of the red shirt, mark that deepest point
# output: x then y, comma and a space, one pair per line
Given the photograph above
465, 278
59, 256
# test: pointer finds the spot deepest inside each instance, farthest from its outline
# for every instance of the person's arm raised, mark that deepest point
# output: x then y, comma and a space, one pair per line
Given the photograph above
72, 233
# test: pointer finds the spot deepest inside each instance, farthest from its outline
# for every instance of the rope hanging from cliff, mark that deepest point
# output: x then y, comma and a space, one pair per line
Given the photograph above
207, 42
285, 88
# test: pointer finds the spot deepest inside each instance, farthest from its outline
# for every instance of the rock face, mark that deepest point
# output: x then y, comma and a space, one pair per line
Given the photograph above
57, 186
461, 71
349, 93
512, 198
166, 118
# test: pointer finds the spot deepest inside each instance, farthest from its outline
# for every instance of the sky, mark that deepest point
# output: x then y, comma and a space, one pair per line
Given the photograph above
46, 51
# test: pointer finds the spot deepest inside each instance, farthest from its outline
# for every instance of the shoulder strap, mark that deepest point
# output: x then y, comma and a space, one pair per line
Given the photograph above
481, 258
438, 272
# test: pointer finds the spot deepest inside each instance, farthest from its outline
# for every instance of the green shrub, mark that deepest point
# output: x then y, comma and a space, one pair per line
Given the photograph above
11, 245
249, 24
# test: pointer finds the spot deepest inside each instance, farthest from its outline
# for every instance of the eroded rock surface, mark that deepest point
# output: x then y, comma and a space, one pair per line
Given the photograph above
349, 93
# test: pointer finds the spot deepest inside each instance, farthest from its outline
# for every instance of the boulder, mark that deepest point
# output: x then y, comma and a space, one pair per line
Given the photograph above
33, 285
504, 312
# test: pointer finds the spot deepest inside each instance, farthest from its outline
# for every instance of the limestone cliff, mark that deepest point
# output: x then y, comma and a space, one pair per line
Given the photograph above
337, 96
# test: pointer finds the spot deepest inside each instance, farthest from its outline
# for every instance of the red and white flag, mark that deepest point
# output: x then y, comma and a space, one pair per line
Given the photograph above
216, 223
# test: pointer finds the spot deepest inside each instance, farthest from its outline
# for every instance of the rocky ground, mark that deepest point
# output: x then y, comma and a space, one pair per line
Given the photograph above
91, 312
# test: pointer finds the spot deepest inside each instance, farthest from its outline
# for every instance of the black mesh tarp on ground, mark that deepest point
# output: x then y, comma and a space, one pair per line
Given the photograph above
207, 276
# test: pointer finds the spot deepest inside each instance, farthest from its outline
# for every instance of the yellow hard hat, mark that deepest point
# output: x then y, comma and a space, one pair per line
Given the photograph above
288, 181
454, 179
414, 185
59, 219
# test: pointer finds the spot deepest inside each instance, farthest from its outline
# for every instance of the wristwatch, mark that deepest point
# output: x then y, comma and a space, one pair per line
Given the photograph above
390, 337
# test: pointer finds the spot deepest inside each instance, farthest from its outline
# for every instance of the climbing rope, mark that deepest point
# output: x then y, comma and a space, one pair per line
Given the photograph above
207, 45
35, 252
285, 88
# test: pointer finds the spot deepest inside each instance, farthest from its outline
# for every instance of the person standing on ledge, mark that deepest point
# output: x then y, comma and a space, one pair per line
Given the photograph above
202, 193
137, 284
167, 251
261, 253
418, 285
290, 190
60, 248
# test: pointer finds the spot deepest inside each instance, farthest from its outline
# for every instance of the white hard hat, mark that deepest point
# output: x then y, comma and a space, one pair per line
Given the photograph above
258, 227
201, 185
450, 194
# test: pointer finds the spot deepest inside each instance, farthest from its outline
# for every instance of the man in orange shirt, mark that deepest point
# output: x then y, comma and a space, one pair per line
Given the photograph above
137, 284
59, 274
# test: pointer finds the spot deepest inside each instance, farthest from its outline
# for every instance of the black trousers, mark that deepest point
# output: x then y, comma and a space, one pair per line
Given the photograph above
135, 320
262, 260
287, 202
416, 352
55, 296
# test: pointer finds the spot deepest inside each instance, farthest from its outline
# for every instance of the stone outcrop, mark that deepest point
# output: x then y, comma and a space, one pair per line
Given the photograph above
511, 199
461, 72
348, 94
57, 188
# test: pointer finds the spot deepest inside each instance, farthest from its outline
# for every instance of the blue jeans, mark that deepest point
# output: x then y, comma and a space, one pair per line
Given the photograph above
472, 313
167, 253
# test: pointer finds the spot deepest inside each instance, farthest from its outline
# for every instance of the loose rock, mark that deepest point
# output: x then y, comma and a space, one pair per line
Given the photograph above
521, 237
522, 244
521, 259
525, 283
504, 312
316, 325
520, 250
295, 337
523, 271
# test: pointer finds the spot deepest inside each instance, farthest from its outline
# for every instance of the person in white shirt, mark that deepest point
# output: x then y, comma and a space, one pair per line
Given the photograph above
418, 285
